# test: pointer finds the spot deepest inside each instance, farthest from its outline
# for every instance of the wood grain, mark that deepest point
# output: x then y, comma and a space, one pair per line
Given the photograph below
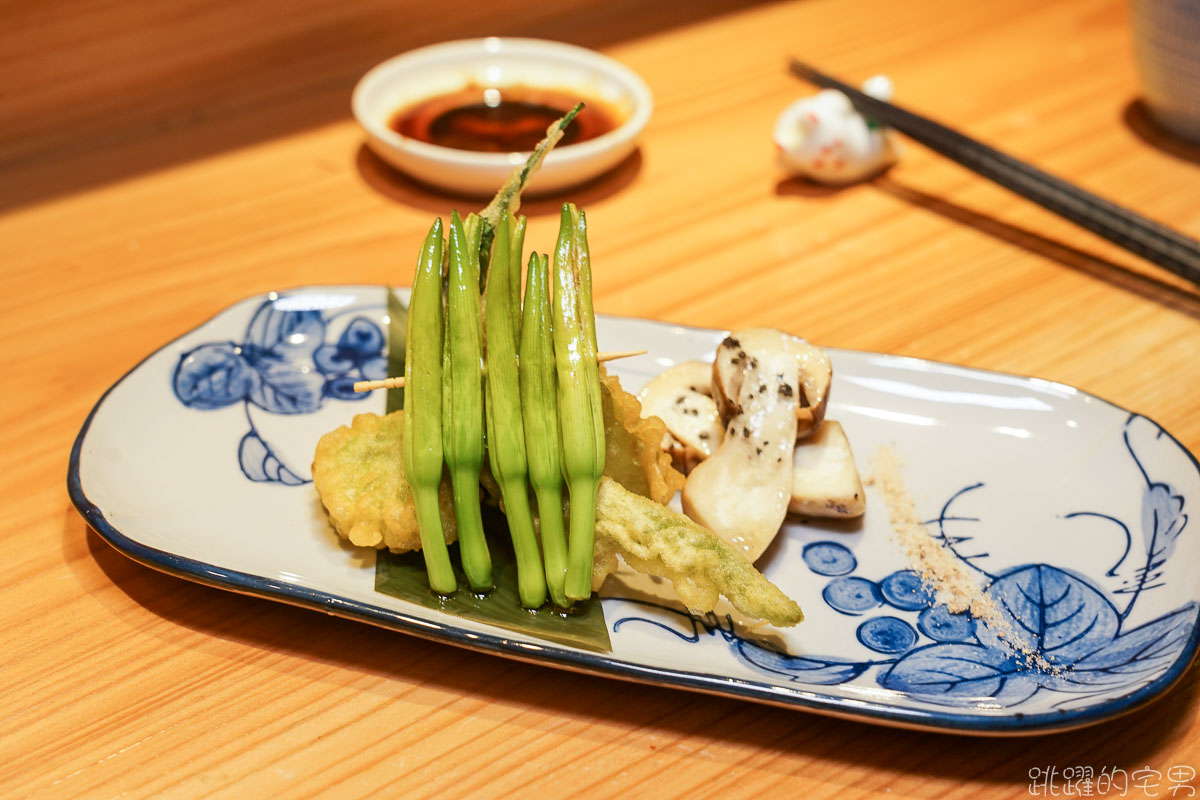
164, 161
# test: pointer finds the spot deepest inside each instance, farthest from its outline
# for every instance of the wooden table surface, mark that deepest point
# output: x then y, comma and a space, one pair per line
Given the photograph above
160, 162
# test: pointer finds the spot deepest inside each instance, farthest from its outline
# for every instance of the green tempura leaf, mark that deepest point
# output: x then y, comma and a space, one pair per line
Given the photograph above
397, 328
403, 576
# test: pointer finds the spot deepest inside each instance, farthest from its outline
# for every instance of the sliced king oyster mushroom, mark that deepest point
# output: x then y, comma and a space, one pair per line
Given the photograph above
825, 482
681, 397
742, 491
811, 374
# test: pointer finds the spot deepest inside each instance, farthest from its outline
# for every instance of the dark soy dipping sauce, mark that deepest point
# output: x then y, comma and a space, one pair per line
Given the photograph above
509, 120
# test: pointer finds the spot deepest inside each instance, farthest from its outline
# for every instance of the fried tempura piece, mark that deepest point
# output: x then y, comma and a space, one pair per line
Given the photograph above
359, 473
634, 456
360, 477
655, 540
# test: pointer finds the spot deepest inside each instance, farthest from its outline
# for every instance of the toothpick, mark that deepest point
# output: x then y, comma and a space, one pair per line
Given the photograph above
602, 357
386, 383
398, 383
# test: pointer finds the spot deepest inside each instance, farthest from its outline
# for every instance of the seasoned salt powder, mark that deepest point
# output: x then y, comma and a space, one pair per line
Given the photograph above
943, 572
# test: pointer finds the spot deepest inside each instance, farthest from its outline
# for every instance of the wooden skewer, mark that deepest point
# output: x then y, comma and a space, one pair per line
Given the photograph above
602, 357
398, 383
386, 383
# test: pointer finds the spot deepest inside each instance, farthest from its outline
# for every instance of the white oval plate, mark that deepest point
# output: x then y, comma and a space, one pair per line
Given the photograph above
1073, 512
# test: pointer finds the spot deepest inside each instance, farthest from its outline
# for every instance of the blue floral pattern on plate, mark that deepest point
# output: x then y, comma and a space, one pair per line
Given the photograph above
283, 365
1058, 631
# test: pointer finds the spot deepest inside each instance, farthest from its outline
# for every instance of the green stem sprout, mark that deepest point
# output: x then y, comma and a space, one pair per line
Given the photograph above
587, 320
578, 396
539, 408
506, 432
516, 248
423, 409
462, 401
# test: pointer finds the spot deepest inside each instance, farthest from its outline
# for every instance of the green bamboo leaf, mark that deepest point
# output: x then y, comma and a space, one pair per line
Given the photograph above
403, 577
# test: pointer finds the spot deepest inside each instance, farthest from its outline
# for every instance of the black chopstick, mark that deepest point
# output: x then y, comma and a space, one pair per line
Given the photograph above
1153, 241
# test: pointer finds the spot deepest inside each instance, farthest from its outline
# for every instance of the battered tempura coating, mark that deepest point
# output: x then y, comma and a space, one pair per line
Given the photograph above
359, 474
656, 540
634, 457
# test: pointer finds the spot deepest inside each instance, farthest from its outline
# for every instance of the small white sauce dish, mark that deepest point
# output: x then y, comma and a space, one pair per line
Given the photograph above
496, 63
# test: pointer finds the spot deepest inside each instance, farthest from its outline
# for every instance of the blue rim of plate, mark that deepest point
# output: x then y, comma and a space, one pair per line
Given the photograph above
1014, 724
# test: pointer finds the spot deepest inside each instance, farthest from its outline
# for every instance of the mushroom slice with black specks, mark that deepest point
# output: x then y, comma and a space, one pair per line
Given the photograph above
742, 491
825, 482
681, 398
811, 376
